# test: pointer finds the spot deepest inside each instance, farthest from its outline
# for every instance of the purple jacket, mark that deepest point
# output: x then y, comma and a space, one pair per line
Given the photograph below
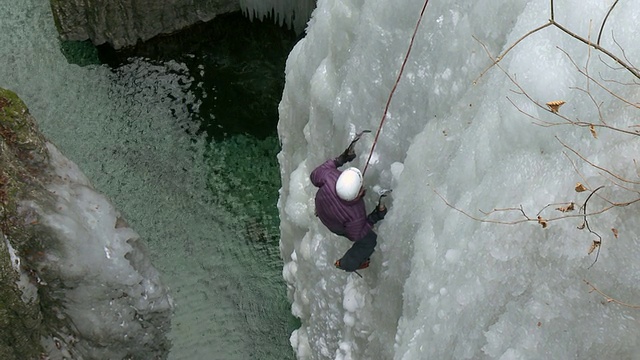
345, 218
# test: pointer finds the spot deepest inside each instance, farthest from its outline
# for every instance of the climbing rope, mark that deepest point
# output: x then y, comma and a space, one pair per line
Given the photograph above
386, 108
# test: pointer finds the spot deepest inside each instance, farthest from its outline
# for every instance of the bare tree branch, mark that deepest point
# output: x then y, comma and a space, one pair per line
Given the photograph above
605, 88
629, 68
585, 223
605, 20
594, 165
552, 22
501, 56
618, 181
526, 217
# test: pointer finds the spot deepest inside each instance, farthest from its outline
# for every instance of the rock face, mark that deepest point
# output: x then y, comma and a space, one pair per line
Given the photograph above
75, 279
122, 23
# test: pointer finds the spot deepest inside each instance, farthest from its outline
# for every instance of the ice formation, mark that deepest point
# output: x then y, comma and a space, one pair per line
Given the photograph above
293, 14
458, 139
98, 269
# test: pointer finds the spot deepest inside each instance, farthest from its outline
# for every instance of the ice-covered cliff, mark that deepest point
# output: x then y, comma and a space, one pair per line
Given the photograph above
449, 281
80, 284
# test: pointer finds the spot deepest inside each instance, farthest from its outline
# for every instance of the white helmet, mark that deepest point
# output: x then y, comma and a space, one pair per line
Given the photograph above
349, 184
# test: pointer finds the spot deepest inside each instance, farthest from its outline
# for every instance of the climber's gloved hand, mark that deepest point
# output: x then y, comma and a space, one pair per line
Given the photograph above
377, 214
348, 155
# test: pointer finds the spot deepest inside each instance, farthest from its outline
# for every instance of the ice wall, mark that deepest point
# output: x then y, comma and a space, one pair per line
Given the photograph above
444, 285
99, 269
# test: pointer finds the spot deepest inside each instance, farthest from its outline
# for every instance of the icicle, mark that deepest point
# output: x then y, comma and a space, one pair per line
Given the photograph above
291, 13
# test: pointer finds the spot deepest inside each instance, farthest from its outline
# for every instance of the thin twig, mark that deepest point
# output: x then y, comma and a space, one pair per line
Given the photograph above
552, 22
636, 105
527, 218
615, 204
479, 219
594, 165
586, 65
629, 68
626, 64
624, 53
567, 206
609, 298
586, 224
519, 209
522, 91
605, 20
501, 56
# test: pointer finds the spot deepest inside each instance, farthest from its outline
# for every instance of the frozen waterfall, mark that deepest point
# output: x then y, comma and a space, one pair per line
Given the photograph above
451, 278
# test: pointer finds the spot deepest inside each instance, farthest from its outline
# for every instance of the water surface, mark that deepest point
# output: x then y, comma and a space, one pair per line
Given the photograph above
204, 202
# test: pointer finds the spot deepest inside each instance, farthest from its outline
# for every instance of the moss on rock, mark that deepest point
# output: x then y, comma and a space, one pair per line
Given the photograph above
22, 153
43, 305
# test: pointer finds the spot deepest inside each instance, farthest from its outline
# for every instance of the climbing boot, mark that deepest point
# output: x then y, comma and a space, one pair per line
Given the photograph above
364, 265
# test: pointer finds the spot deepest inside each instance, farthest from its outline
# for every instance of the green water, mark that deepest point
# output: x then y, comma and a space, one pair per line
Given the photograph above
238, 69
182, 139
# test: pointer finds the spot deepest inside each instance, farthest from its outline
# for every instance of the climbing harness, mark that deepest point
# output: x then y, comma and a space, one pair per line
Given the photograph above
384, 115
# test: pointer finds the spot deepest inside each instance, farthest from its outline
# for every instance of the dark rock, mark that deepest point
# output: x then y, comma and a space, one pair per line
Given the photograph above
123, 23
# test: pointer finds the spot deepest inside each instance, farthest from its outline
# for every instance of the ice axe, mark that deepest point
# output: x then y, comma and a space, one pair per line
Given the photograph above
355, 140
383, 193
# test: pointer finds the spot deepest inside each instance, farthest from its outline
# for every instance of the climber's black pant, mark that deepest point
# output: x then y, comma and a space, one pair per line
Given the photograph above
359, 252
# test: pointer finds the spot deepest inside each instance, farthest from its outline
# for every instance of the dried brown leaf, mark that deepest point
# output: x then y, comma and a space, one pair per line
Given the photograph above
615, 232
580, 187
542, 222
593, 131
594, 246
554, 106
567, 208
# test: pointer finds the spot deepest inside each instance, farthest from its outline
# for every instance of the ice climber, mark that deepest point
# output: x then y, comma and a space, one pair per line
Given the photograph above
340, 207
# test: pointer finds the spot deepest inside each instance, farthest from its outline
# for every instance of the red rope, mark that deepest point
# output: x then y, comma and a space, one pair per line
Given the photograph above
384, 115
